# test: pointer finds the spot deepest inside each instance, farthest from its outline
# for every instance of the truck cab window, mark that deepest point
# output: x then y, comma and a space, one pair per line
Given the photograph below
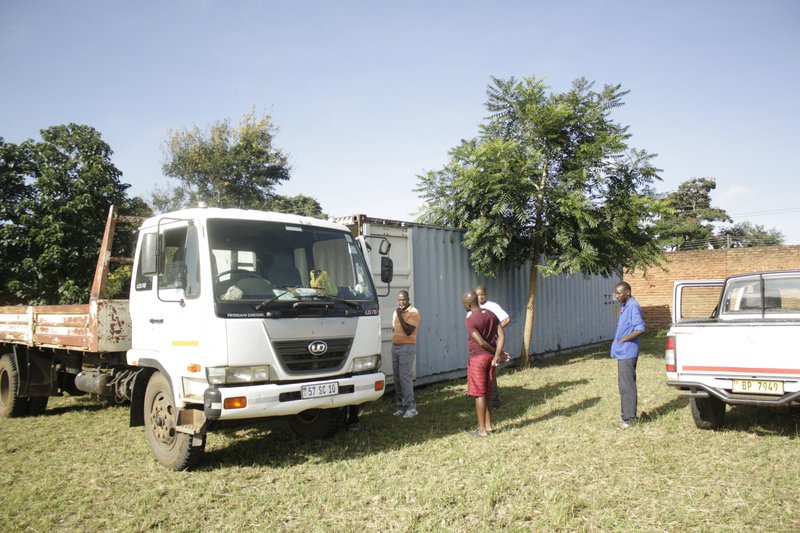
285, 264
142, 282
181, 261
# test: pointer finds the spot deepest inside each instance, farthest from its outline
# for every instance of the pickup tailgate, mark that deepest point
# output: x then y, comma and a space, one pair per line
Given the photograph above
749, 359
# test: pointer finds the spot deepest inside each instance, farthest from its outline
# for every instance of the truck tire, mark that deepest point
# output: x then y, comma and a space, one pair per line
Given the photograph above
316, 424
10, 403
172, 448
708, 413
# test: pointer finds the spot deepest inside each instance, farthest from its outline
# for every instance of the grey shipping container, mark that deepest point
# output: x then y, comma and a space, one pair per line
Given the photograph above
431, 263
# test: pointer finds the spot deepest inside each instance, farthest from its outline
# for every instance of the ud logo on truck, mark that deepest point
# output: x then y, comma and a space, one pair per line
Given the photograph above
317, 347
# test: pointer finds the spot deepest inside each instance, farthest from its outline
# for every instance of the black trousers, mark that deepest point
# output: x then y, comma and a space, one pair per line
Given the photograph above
626, 379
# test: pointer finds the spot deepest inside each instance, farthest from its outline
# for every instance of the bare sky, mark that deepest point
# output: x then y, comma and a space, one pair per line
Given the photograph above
368, 95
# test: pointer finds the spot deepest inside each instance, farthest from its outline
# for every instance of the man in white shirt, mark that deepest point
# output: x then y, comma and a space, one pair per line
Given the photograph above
505, 320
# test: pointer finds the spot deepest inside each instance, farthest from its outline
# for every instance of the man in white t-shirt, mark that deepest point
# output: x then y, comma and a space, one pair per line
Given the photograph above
505, 320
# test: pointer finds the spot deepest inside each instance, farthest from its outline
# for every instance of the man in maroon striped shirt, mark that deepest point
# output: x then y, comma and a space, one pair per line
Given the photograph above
486, 340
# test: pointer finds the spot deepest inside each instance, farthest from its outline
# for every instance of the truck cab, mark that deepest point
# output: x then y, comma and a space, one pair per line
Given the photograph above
245, 315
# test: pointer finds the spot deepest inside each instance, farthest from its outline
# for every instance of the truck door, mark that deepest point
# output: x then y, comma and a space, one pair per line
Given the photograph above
166, 308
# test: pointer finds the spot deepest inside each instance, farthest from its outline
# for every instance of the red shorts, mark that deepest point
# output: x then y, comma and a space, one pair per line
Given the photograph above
479, 375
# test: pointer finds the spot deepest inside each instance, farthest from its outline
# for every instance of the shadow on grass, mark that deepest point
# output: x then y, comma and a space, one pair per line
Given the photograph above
563, 412
763, 421
441, 415
677, 403
79, 404
759, 421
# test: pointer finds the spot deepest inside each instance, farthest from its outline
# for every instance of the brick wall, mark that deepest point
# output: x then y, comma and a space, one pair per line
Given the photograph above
653, 290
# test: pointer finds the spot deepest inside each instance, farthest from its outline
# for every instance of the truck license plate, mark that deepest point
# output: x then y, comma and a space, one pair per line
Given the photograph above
753, 386
318, 390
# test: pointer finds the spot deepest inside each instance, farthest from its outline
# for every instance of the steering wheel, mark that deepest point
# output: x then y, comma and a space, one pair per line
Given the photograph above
238, 273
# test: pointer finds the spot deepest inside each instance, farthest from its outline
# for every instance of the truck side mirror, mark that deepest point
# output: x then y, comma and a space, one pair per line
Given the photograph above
387, 269
149, 253
384, 247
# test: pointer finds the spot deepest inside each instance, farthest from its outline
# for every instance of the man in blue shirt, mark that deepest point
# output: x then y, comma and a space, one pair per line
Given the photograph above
625, 349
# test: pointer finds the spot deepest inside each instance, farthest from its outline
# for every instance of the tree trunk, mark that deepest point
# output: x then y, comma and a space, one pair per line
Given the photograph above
530, 313
538, 246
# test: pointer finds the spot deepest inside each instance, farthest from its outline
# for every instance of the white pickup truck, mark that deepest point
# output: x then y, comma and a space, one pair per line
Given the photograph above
741, 352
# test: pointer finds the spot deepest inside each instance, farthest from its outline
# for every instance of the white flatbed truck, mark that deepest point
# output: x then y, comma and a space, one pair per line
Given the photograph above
233, 316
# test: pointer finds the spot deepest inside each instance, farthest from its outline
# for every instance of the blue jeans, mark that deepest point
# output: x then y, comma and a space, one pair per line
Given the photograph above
403, 358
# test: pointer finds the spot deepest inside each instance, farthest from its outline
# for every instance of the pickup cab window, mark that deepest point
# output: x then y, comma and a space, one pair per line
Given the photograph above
743, 296
782, 295
771, 295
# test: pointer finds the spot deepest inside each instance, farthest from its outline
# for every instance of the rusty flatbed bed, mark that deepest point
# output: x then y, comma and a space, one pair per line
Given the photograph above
100, 326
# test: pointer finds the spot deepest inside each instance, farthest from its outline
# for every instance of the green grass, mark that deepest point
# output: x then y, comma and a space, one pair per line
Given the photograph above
557, 462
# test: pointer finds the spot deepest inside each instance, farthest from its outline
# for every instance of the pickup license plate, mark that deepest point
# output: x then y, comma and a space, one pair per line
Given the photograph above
754, 386
318, 390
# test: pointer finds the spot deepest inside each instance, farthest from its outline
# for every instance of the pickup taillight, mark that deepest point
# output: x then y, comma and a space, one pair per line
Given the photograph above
669, 354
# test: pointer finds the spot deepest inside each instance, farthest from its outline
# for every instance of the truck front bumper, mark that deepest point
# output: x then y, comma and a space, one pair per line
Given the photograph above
274, 399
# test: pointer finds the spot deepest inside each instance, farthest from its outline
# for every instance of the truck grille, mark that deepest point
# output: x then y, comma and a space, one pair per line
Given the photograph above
296, 358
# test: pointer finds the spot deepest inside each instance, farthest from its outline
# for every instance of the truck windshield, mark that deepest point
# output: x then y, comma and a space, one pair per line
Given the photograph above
270, 263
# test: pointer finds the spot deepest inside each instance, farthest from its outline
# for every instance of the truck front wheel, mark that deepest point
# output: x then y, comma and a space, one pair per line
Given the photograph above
10, 403
708, 413
316, 423
172, 448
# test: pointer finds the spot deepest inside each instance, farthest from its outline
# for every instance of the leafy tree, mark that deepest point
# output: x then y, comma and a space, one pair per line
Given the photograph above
297, 205
55, 196
550, 179
689, 223
224, 166
747, 235
16, 164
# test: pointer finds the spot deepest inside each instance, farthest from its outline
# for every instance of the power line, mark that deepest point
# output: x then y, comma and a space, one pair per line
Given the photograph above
782, 211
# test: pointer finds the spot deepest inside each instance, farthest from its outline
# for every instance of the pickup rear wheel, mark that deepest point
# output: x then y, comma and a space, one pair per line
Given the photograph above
10, 403
316, 423
172, 448
708, 413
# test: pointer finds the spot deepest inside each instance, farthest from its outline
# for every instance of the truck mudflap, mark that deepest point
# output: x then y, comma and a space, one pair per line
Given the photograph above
274, 399
701, 390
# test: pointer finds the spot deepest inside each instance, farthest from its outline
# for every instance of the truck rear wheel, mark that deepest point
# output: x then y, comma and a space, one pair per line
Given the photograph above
316, 423
708, 413
10, 403
172, 448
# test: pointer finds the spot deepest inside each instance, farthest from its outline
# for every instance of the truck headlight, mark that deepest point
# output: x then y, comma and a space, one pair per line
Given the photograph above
236, 375
365, 364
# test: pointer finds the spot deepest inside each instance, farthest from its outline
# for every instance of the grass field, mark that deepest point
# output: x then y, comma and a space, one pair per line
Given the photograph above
558, 461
